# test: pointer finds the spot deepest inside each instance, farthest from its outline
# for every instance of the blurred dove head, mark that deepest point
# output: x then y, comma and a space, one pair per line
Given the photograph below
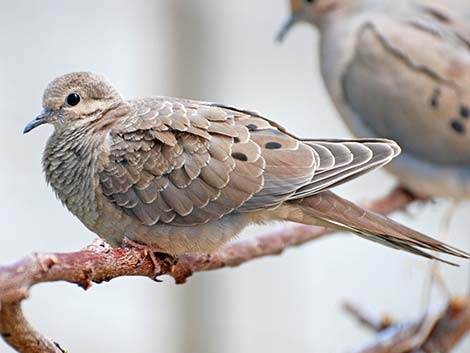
313, 11
75, 99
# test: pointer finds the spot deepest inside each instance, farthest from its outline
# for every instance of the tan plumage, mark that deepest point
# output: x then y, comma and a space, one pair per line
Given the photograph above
185, 176
400, 69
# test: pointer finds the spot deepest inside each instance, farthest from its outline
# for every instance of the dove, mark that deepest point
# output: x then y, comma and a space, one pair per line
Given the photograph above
182, 176
400, 70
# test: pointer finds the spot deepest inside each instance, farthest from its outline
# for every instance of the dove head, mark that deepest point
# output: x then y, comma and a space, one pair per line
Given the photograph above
75, 98
313, 11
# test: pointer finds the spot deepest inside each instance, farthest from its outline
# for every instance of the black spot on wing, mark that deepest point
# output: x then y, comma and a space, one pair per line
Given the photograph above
251, 127
240, 156
273, 145
457, 126
464, 112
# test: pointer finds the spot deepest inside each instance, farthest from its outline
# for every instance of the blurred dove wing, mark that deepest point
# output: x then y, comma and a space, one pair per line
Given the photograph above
404, 91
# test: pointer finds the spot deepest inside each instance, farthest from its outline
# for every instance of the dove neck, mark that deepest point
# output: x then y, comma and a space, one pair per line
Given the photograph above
69, 162
340, 12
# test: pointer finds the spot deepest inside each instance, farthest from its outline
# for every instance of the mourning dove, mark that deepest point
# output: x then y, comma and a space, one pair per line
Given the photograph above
401, 70
181, 176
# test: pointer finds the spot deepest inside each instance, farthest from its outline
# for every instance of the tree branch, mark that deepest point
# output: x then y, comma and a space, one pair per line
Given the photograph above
433, 333
99, 262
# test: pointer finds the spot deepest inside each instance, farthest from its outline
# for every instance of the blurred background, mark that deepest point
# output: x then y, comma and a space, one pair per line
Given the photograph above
213, 50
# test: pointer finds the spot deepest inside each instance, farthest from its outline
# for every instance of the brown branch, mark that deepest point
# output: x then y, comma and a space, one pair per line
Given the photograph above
98, 262
434, 333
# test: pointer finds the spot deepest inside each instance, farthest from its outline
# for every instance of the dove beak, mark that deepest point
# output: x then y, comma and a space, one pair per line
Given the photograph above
39, 120
291, 21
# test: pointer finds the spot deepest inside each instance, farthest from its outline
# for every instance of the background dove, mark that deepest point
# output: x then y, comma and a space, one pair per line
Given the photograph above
185, 176
401, 70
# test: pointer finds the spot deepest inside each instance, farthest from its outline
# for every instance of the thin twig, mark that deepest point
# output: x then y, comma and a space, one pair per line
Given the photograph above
433, 333
366, 319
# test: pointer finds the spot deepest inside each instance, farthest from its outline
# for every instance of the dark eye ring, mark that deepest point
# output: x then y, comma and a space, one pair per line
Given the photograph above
72, 99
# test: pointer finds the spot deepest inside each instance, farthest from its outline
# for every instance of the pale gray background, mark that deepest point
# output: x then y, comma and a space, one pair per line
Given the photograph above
213, 50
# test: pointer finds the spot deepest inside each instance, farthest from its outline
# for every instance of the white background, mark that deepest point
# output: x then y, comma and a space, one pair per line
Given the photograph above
219, 51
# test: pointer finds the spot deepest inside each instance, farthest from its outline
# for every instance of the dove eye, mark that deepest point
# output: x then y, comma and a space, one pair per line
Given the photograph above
72, 99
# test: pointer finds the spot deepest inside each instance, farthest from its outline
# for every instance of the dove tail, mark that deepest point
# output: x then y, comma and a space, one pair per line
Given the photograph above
337, 212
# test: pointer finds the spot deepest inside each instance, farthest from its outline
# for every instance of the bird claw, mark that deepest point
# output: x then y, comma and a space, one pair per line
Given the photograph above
147, 252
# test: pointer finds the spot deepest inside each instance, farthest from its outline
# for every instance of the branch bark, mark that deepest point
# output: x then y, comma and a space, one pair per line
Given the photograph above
99, 262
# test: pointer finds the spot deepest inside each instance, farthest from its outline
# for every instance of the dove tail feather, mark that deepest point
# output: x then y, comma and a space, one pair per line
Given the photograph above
340, 160
343, 214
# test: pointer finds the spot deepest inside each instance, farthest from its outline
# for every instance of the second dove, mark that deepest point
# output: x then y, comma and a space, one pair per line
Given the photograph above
401, 70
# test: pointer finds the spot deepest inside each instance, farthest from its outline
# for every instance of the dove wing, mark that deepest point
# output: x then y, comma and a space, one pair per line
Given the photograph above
185, 162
